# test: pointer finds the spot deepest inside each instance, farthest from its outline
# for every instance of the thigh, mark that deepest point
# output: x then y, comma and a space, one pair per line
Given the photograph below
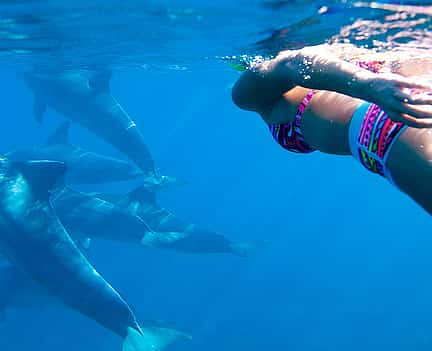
410, 164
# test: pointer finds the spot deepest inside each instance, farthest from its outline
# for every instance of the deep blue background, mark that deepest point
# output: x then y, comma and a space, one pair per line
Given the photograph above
350, 260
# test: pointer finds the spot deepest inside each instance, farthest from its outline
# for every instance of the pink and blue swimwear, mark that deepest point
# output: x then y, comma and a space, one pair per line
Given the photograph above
289, 135
371, 132
372, 135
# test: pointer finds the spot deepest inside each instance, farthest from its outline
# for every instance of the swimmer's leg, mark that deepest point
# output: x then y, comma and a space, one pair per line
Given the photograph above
410, 164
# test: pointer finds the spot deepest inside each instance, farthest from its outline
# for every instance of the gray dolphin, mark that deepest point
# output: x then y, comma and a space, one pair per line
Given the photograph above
86, 217
86, 167
180, 235
18, 290
33, 238
85, 98
83, 167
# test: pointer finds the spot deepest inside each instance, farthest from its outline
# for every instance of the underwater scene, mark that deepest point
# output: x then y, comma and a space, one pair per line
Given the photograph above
215, 175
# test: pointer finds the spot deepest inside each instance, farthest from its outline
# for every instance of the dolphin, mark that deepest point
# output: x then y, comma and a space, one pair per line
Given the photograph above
33, 238
86, 167
88, 217
85, 98
83, 166
180, 235
18, 290
14, 285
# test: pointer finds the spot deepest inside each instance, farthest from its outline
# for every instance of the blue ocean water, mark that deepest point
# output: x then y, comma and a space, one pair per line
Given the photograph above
349, 261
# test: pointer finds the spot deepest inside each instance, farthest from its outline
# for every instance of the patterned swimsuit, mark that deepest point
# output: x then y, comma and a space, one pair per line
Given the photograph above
372, 132
289, 135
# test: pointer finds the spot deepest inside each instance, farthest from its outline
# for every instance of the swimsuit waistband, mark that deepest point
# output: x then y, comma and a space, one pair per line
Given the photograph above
371, 138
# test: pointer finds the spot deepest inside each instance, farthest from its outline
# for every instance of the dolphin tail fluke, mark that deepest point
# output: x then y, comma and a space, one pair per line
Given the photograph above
39, 109
156, 181
152, 339
146, 192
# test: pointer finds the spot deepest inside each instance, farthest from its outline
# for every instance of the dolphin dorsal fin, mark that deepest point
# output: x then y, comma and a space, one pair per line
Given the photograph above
100, 81
41, 175
60, 136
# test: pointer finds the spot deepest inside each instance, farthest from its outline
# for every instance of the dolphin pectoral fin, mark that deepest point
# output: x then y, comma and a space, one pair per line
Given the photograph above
41, 175
60, 136
83, 243
134, 341
100, 81
151, 339
39, 109
86, 243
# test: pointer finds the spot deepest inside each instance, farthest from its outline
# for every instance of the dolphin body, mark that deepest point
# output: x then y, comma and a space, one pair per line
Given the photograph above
33, 238
83, 167
85, 98
17, 290
180, 235
86, 167
87, 216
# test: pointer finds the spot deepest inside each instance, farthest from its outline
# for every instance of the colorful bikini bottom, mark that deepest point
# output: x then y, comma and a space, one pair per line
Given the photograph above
372, 135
